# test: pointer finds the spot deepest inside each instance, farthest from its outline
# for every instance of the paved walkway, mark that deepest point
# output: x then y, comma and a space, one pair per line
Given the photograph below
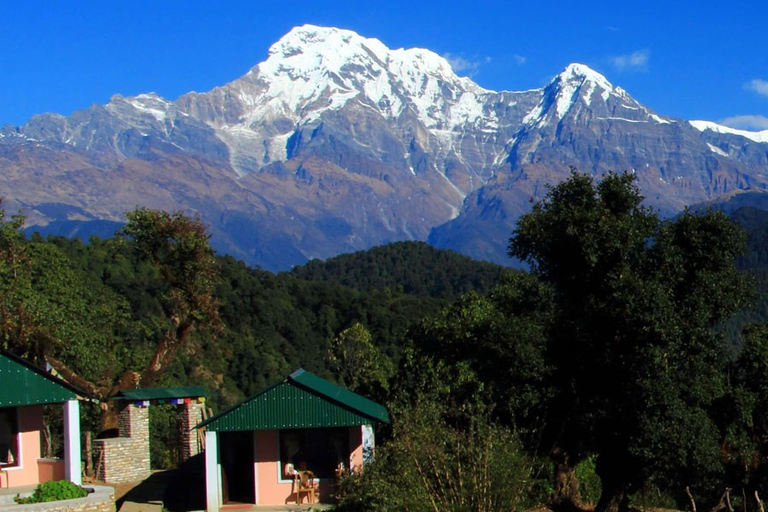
8, 493
144, 496
148, 495
182, 493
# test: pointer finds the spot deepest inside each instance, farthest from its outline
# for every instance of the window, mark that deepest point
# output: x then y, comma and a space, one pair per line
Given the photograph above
9, 449
319, 450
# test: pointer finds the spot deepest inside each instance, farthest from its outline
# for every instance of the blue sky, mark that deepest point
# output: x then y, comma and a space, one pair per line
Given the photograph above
693, 60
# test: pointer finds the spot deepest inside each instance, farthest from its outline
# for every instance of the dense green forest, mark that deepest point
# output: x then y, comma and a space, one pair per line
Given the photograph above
273, 323
627, 367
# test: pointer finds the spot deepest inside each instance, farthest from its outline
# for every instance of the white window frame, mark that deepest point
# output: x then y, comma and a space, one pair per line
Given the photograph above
281, 478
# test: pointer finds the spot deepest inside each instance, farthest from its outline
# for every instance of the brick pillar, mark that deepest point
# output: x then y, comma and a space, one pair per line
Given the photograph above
133, 423
125, 458
190, 415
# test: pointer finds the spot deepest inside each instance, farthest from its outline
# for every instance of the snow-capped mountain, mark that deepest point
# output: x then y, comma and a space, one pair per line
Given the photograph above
337, 143
391, 105
585, 95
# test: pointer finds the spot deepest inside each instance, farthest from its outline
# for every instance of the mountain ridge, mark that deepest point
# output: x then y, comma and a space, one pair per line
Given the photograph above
336, 143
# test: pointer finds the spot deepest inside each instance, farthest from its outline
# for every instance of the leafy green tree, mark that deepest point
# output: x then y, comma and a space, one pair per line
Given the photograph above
48, 308
51, 310
15, 326
358, 363
179, 248
744, 416
502, 338
181, 276
637, 364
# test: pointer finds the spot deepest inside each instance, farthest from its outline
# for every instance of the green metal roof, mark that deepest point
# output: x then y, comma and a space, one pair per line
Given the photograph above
160, 393
22, 383
301, 400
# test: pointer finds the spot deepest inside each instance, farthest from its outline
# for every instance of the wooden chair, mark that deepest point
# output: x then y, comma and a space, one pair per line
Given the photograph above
304, 483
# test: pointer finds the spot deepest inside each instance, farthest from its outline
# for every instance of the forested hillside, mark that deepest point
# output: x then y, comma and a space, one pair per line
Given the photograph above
755, 222
279, 322
754, 261
414, 268
606, 365
271, 324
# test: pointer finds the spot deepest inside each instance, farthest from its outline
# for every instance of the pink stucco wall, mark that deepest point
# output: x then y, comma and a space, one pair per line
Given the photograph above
274, 489
355, 448
30, 471
51, 469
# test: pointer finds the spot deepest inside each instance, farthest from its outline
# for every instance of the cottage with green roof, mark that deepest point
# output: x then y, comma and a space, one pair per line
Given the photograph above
256, 450
24, 389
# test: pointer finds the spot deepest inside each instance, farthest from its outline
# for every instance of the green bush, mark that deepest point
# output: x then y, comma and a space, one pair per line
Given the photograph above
56, 490
431, 464
651, 496
589, 482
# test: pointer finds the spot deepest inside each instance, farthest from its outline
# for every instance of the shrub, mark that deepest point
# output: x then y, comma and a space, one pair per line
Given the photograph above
56, 490
589, 482
431, 464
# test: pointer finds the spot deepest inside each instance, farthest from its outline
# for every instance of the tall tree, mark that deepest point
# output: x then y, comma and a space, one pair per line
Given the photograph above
51, 309
636, 361
179, 247
185, 273
14, 281
48, 307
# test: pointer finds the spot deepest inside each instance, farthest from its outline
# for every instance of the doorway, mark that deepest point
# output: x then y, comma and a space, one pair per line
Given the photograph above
237, 467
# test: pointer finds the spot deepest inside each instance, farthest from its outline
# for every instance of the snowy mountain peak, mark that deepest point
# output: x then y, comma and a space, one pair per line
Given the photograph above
581, 73
337, 143
146, 104
577, 83
310, 49
578, 80
313, 70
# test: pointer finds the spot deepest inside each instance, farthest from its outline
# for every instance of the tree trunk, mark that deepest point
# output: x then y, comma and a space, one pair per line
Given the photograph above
612, 499
613, 496
166, 350
127, 380
108, 417
566, 483
725, 502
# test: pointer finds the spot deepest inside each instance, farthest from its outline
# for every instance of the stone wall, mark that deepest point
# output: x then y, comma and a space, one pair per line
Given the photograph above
125, 458
191, 415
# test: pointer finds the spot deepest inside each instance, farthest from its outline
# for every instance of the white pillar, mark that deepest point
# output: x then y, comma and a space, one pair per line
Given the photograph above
212, 480
256, 469
72, 455
369, 443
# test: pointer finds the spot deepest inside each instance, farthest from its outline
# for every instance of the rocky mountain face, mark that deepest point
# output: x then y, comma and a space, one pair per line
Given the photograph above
336, 143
